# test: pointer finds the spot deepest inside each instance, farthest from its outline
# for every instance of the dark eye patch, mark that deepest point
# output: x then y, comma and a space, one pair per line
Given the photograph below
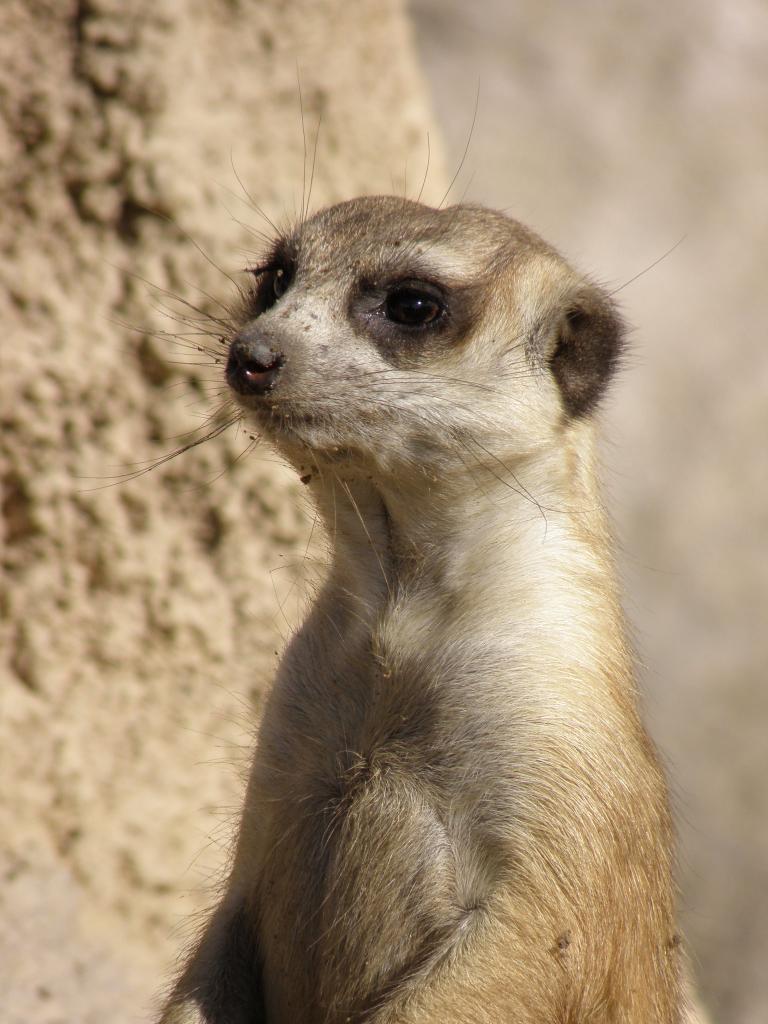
272, 281
409, 318
272, 277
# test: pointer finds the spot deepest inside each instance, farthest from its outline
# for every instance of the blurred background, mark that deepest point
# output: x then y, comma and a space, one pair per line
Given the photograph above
620, 131
140, 618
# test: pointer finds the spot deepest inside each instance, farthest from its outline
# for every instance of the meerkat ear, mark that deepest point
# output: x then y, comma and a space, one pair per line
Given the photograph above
588, 345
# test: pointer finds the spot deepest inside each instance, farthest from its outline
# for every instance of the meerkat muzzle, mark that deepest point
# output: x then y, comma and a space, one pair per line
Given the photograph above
252, 366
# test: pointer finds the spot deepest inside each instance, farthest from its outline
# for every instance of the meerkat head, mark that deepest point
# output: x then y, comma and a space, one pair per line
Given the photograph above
389, 336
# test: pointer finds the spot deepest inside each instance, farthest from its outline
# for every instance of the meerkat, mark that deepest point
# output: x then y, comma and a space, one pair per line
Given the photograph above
454, 813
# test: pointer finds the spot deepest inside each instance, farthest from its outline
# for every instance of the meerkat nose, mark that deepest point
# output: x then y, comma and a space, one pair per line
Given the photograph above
252, 366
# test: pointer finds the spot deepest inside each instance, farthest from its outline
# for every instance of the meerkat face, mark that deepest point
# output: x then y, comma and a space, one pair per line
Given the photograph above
388, 335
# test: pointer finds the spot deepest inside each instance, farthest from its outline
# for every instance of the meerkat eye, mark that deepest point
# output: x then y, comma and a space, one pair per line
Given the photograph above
412, 307
280, 281
272, 282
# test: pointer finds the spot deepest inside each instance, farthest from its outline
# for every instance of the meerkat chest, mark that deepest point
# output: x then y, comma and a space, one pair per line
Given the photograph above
368, 830
406, 700
363, 737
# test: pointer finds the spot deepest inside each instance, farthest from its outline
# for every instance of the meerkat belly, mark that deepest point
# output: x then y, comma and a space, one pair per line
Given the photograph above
364, 892
368, 881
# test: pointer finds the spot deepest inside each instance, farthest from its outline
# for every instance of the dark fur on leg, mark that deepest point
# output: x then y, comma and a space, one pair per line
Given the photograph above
222, 982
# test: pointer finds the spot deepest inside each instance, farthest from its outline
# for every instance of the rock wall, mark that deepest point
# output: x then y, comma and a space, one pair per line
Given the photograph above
140, 611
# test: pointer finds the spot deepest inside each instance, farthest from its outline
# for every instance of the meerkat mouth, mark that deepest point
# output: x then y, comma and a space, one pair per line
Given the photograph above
279, 423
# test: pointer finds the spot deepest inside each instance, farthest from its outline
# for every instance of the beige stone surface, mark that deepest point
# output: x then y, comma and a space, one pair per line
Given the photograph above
139, 619
618, 130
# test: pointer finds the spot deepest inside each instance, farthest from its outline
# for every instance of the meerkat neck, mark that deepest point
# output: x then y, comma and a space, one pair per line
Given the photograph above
528, 551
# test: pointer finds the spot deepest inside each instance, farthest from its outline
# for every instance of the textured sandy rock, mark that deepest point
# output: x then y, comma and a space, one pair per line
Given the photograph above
139, 621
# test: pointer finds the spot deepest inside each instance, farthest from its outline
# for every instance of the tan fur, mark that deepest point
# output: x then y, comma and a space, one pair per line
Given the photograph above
454, 812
